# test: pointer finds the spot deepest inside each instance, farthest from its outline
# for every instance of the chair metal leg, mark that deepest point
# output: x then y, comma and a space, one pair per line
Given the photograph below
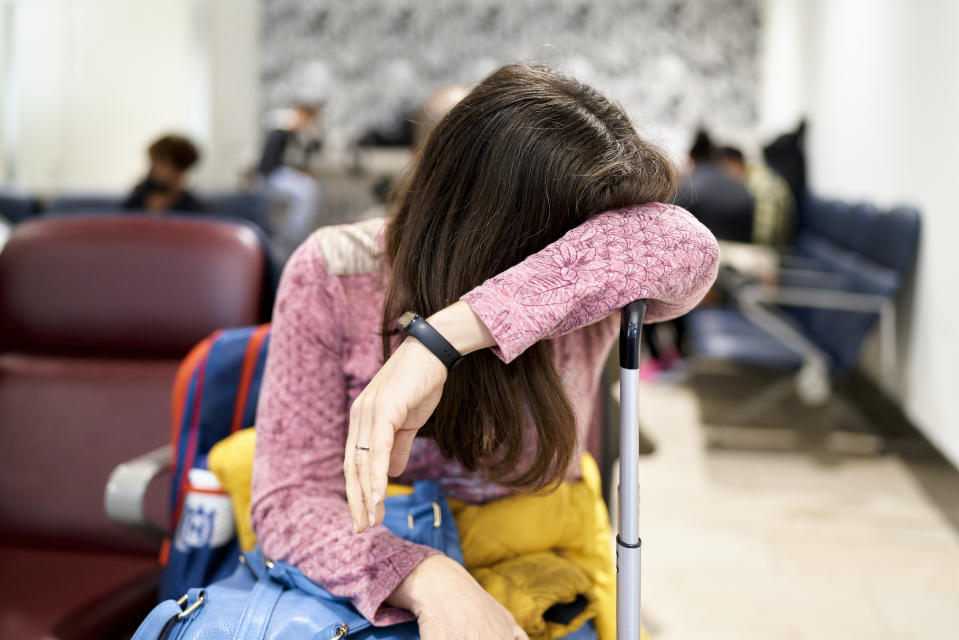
770, 396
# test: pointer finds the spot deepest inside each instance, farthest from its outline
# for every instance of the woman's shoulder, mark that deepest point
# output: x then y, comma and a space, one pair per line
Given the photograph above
350, 249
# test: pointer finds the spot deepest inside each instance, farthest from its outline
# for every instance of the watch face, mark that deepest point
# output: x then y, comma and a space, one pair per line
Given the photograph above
405, 319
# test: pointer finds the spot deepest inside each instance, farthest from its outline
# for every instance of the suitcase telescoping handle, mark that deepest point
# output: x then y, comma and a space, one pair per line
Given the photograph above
627, 538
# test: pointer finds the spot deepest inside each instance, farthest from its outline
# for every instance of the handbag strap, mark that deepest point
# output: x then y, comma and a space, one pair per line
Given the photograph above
259, 609
165, 616
155, 624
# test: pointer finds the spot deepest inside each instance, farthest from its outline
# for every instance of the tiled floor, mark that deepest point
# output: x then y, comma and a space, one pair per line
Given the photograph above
743, 544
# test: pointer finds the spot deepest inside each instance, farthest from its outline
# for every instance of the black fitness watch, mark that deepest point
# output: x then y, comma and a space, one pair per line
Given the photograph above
413, 324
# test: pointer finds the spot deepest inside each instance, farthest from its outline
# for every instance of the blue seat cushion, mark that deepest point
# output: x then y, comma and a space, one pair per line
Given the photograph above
16, 207
86, 203
726, 334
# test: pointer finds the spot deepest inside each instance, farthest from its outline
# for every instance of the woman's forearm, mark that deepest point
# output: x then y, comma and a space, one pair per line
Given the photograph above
462, 328
656, 251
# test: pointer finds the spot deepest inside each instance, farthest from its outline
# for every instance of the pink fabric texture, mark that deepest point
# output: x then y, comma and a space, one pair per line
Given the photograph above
325, 348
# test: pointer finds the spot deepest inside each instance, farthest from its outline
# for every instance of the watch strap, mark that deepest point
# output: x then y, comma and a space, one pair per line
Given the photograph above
416, 326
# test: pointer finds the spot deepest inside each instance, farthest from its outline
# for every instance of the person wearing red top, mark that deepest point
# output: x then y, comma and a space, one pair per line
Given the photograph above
533, 213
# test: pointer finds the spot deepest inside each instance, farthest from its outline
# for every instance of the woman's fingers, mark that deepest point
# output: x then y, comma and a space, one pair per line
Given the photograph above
400, 455
354, 493
383, 440
380, 511
364, 454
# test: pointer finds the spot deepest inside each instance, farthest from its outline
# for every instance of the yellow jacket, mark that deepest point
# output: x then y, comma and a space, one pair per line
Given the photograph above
530, 552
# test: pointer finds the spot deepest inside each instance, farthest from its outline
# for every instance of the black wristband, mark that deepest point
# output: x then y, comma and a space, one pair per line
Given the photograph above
416, 326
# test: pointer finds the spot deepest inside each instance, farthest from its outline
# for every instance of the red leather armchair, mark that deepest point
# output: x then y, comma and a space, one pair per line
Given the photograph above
95, 315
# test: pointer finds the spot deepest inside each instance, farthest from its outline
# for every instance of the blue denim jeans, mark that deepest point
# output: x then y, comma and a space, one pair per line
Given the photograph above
585, 632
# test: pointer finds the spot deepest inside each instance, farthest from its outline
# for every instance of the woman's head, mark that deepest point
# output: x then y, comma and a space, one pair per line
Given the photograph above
526, 156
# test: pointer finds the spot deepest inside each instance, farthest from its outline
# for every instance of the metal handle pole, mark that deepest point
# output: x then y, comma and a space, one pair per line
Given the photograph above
627, 539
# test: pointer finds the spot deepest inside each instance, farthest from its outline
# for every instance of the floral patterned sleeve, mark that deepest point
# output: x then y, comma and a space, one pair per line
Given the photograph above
299, 509
657, 251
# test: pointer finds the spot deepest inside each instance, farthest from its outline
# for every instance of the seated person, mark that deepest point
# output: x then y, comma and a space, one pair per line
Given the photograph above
786, 155
775, 207
533, 214
164, 187
284, 167
720, 202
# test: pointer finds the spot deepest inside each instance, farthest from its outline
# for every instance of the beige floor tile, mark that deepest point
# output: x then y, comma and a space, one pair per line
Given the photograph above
760, 545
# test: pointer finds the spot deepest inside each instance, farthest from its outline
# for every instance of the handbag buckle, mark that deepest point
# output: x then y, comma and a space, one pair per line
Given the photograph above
437, 517
193, 607
341, 631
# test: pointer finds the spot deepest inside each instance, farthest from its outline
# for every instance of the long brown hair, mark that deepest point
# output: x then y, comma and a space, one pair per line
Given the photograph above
526, 156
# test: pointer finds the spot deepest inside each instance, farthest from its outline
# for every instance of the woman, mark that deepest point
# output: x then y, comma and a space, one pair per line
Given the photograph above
532, 215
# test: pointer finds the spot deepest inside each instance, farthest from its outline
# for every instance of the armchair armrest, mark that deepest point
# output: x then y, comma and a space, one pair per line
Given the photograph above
839, 300
789, 259
127, 486
817, 277
820, 298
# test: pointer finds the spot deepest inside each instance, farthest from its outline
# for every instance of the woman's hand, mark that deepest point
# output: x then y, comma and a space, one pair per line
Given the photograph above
398, 400
385, 417
450, 605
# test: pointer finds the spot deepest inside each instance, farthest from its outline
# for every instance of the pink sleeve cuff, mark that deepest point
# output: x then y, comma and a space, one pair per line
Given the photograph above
390, 572
490, 309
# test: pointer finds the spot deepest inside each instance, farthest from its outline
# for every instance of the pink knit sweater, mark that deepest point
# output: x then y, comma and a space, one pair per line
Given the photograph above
325, 348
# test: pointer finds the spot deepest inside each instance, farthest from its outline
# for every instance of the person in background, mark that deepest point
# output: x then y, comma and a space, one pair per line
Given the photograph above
165, 186
775, 205
436, 105
720, 202
726, 208
284, 168
786, 155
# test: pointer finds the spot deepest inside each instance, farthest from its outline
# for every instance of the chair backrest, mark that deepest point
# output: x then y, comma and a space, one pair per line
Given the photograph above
869, 251
85, 203
17, 207
249, 205
95, 315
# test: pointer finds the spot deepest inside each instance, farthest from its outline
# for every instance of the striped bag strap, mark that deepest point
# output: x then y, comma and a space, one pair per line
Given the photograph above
214, 394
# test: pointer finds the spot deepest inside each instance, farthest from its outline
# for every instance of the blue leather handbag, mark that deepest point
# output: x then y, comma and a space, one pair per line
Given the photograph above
267, 600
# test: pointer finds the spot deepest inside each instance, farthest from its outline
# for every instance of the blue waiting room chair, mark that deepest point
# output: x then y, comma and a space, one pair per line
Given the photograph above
838, 283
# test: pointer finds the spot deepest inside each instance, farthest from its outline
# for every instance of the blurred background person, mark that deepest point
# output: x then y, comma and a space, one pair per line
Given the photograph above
284, 167
773, 215
786, 155
721, 202
165, 186
436, 105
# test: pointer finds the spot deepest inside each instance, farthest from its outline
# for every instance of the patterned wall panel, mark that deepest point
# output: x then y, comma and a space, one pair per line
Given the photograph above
671, 63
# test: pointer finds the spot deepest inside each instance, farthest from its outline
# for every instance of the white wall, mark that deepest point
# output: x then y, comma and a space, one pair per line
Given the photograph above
879, 82
96, 80
230, 35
